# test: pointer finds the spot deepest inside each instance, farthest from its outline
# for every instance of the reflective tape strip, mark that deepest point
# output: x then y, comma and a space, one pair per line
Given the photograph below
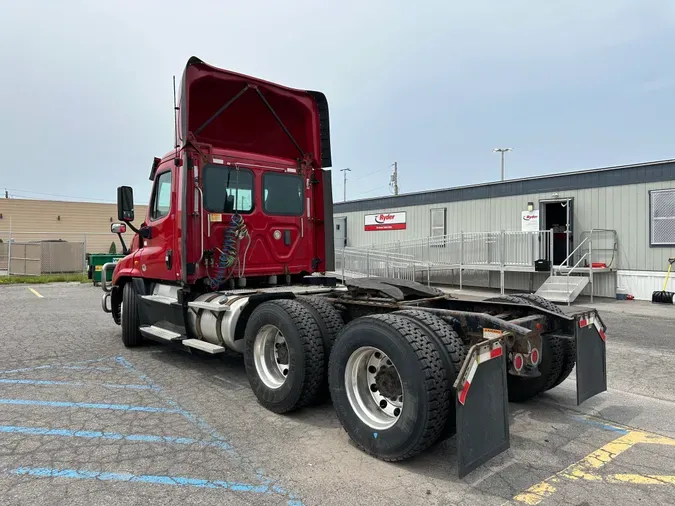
467, 382
480, 358
593, 321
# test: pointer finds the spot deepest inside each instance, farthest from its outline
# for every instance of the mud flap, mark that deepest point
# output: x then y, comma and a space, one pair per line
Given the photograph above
591, 357
482, 406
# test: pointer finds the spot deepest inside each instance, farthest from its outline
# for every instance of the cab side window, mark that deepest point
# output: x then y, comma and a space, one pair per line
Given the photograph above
161, 196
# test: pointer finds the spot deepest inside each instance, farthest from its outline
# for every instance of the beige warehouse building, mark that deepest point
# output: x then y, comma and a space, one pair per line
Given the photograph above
57, 232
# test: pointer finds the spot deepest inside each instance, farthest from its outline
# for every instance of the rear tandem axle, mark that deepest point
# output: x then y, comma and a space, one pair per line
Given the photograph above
406, 366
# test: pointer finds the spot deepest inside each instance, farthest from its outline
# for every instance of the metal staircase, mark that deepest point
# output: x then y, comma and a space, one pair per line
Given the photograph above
562, 285
563, 288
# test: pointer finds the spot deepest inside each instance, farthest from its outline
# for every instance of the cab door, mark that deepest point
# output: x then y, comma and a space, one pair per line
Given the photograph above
287, 234
157, 255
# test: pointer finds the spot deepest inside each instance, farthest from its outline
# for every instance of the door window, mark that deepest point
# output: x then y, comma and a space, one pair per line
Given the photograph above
161, 198
283, 194
227, 189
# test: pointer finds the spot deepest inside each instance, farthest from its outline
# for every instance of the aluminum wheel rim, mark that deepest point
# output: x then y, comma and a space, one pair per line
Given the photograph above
270, 355
363, 373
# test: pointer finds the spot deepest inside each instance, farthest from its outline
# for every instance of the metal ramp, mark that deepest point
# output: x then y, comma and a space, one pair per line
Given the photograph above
563, 288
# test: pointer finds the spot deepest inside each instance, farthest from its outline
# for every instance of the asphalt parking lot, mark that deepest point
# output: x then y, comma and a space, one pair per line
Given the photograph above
84, 420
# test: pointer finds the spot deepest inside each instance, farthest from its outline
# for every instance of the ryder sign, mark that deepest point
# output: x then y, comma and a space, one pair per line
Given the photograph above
385, 221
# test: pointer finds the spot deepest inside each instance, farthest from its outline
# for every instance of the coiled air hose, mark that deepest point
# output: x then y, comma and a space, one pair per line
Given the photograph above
228, 255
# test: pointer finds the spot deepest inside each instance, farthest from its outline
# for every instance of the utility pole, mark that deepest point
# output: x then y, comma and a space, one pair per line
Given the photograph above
502, 151
344, 183
394, 179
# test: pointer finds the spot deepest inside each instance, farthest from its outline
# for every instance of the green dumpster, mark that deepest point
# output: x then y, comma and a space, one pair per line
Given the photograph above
96, 262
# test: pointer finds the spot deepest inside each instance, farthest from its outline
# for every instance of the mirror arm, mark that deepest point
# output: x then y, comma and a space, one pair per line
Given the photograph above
125, 250
131, 226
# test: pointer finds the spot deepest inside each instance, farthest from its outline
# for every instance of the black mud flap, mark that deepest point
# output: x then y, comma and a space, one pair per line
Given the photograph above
482, 406
591, 356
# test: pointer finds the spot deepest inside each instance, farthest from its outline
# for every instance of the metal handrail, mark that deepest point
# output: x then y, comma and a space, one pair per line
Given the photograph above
576, 265
573, 252
568, 277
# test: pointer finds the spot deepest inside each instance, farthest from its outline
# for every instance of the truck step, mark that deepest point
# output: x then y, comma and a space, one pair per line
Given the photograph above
154, 331
161, 299
204, 346
211, 306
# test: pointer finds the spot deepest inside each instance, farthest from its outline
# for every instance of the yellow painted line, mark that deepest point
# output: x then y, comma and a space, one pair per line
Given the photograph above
35, 292
641, 479
584, 468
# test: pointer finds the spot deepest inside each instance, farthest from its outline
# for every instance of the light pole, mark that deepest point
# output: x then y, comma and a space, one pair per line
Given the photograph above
344, 183
502, 151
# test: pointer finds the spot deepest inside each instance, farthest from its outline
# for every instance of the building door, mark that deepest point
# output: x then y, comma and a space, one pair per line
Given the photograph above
557, 215
340, 232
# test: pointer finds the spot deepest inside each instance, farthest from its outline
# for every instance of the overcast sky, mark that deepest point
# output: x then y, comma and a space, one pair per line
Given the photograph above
86, 88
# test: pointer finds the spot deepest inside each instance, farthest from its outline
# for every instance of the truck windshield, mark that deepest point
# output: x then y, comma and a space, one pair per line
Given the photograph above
283, 194
227, 189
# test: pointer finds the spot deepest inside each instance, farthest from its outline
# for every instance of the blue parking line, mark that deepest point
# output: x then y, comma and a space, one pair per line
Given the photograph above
94, 434
73, 383
85, 368
195, 419
204, 425
71, 365
88, 405
47, 472
602, 425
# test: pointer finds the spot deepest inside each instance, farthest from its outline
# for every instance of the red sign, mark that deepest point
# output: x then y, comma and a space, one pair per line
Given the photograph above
385, 221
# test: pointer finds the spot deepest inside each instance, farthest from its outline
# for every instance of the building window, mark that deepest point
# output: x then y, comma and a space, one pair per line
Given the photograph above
438, 226
662, 217
161, 199
227, 189
283, 194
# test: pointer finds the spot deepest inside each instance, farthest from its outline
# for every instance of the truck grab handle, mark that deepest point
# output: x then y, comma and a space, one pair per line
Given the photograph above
104, 275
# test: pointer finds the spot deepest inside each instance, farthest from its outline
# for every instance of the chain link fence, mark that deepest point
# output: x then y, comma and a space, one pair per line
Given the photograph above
39, 253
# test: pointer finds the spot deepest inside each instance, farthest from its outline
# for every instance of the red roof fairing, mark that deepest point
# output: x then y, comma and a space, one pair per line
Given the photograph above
241, 113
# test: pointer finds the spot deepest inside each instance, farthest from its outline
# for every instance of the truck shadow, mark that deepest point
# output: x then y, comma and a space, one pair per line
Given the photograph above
544, 439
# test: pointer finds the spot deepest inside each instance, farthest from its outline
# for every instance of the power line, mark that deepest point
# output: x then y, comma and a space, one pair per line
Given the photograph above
374, 189
371, 173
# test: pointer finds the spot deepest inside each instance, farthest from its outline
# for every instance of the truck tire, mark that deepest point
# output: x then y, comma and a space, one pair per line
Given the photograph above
522, 389
539, 301
131, 334
330, 323
387, 418
569, 346
450, 347
329, 319
550, 366
283, 333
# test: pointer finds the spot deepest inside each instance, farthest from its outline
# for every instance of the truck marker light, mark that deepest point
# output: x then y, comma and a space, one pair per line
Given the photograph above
277, 234
218, 160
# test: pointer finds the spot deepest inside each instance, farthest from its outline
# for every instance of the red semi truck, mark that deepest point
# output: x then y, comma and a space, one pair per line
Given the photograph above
235, 254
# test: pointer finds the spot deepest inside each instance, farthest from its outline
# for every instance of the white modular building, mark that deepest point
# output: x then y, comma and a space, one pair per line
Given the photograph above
597, 232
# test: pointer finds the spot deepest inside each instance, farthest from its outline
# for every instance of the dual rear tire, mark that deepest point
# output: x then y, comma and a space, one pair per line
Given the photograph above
287, 344
389, 376
558, 356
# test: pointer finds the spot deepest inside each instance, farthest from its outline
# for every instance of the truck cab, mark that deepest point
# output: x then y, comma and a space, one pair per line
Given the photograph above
243, 199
